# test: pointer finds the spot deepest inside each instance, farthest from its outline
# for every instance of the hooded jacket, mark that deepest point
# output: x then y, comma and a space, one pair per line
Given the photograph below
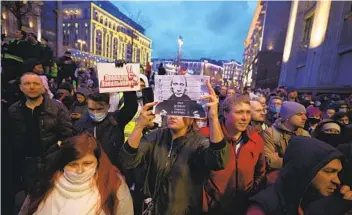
80, 108
304, 158
176, 169
276, 140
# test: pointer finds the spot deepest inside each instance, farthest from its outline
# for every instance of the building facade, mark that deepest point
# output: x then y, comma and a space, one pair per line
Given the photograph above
97, 31
232, 73
318, 48
265, 43
31, 22
49, 21
203, 66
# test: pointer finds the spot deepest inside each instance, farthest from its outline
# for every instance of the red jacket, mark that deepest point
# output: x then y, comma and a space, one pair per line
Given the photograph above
228, 190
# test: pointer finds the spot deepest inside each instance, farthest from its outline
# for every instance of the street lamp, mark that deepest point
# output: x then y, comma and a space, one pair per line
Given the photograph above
81, 42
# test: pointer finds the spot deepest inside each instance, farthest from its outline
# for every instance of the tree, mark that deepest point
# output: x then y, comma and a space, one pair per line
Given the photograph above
21, 9
139, 18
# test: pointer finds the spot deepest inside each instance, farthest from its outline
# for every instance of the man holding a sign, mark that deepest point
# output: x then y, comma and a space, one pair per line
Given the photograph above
107, 127
178, 153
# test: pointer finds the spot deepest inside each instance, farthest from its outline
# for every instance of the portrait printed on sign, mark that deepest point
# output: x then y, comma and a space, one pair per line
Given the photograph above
118, 79
179, 95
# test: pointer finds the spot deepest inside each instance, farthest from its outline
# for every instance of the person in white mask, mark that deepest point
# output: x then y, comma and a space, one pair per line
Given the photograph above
81, 180
108, 127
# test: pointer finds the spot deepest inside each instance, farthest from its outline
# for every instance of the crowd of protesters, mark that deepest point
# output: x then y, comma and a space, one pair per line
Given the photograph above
68, 149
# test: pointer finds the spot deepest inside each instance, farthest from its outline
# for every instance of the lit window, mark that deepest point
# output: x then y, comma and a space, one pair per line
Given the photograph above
68, 24
76, 25
86, 24
76, 31
308, 24
63, 25
68, 32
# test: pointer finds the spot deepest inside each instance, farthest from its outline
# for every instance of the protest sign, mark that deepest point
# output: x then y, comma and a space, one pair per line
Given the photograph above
118, 79
179, 95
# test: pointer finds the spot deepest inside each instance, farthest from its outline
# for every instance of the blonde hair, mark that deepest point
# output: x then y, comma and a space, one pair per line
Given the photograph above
234, 100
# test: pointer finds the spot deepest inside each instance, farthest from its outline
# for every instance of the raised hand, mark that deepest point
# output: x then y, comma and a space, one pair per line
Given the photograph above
146, 116
212, 105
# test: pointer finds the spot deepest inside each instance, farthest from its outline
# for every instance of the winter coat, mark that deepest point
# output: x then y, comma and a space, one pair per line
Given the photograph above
65, 97
276, 139
270, 118
176, 169
55, 125
227, 191
304, 158
80, 108
110, 131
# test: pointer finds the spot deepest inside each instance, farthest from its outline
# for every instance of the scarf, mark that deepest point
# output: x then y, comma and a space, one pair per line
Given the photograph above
70, 199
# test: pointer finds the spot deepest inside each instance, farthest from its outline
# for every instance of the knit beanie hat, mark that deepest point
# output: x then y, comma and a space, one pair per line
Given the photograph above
289, 109
331, 125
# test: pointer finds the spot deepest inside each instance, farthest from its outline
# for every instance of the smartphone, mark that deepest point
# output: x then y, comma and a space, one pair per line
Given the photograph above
148, 95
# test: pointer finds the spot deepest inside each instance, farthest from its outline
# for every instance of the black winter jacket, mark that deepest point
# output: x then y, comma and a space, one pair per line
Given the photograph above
54, 122
110, 131
176, 170
304, 158
55, 125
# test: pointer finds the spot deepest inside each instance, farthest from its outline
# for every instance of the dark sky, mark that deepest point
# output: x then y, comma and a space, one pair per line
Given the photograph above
209, 29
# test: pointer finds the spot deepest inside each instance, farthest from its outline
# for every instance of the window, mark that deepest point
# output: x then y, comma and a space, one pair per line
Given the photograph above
63, 25
86, 24
76, 25
115, 47
68, 25
98, 42
308, 24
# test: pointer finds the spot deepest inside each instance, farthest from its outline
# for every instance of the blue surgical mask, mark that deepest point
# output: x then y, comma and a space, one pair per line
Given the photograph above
275, 109
97, 117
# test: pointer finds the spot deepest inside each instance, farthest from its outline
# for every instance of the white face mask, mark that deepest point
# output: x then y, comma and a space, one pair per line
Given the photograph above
201, 123
75, 178
97, 117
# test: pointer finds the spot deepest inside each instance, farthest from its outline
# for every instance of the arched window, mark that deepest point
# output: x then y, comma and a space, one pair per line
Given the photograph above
98, 42
101, 19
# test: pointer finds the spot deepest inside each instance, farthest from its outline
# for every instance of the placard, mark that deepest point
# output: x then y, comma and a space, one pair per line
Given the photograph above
179, 95
118, 79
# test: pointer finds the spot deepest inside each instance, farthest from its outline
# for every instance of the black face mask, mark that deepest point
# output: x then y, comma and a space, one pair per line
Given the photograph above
331, 139
313, 121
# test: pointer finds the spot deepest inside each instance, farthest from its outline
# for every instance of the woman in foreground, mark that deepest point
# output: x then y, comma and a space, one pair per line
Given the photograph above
80, 181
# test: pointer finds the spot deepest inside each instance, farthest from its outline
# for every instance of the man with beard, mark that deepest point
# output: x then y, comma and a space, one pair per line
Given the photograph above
38, 124
291, 123
310, 173
258, 116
